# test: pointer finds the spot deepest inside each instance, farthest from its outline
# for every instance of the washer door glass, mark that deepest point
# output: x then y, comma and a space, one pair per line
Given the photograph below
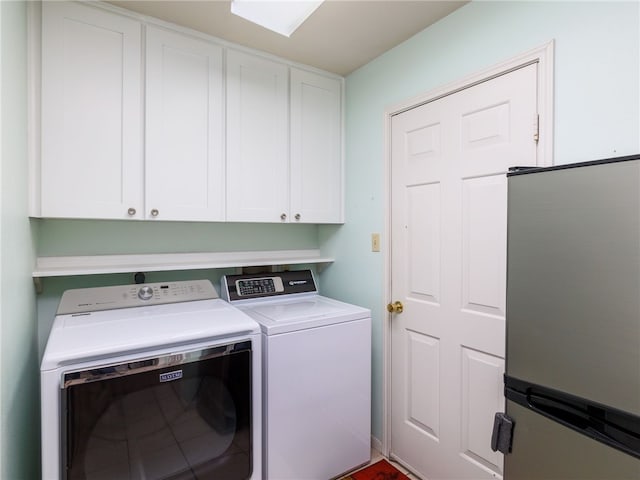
184, 416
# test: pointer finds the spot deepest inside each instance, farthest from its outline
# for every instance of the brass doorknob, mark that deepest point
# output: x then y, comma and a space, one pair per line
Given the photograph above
395, 307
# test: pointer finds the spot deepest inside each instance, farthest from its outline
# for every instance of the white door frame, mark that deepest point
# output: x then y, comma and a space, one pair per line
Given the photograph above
543, 56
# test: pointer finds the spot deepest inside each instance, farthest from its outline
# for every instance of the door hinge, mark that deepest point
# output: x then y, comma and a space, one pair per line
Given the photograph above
536, 128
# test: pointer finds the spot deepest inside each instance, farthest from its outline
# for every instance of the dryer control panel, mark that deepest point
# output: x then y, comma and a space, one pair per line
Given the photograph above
83, 300
245, 287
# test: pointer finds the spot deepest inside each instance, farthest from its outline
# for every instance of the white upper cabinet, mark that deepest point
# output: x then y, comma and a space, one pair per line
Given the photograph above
91, 151
257, 139
141, 121
184, 145
280, 167
316, 148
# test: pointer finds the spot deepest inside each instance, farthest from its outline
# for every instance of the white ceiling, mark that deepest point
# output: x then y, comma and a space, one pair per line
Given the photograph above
341, 36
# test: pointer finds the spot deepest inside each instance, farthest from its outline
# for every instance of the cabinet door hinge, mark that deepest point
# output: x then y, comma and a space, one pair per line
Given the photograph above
536, 128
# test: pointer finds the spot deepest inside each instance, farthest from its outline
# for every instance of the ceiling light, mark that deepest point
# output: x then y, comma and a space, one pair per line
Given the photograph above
283, 16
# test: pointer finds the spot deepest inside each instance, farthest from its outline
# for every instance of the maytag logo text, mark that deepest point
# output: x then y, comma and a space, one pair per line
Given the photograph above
169, 376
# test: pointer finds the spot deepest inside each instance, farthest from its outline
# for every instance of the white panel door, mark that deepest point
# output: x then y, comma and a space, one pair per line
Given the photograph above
91, 163
257, 139
449, 201
316, 148
184, 165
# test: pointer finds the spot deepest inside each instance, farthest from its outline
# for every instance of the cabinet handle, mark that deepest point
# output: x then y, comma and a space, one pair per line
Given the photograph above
154, 212
297, 217
283, 216
131, 212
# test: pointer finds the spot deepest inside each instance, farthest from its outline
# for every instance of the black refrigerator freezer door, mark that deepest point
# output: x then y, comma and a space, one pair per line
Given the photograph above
546, 450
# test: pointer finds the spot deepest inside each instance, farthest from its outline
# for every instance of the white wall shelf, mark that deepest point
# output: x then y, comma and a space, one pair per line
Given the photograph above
107, 264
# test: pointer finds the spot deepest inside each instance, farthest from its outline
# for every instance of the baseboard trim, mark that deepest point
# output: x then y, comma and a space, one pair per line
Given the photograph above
376, 444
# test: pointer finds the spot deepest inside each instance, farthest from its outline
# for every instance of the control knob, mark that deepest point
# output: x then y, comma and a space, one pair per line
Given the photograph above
145, 293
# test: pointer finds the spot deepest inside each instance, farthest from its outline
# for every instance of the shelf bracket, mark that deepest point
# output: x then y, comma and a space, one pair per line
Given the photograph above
321, 266
37, 281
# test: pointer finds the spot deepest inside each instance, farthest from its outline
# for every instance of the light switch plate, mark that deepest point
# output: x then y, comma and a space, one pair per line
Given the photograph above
375, 242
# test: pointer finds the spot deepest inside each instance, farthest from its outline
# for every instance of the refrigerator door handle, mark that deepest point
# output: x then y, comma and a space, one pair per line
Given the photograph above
579, 419
572, 415
613, 427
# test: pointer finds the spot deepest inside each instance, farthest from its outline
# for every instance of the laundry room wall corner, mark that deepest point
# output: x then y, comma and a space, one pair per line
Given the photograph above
18, 353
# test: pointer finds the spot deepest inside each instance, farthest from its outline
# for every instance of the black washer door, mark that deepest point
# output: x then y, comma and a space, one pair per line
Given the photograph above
144, 420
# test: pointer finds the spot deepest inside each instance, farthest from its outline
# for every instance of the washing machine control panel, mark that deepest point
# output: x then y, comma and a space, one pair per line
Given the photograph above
259, 286
244, 287
83, 300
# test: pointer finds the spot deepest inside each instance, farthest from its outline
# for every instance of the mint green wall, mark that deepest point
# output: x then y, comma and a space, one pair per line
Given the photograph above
596, 114
18, 349
86, 237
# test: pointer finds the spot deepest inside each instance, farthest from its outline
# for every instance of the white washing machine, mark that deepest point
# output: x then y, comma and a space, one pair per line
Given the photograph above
151, 381
316, 375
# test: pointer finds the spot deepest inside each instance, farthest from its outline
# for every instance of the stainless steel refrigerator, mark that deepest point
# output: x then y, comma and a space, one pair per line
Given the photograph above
572, 382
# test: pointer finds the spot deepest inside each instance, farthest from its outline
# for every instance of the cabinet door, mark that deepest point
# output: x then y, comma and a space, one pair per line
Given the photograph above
257, 139
91, 161
316, 148
184, 164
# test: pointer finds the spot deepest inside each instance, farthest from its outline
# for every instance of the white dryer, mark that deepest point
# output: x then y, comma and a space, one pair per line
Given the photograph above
155, 381
316, 375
